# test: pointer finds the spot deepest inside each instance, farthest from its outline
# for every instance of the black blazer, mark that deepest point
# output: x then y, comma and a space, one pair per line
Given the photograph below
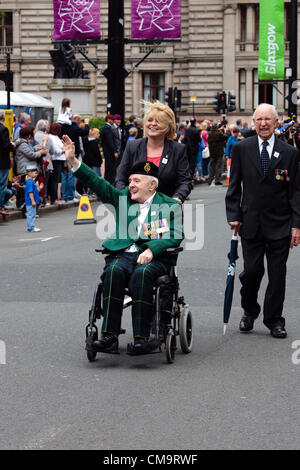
5, 147
109, 141
173, 171
263, 201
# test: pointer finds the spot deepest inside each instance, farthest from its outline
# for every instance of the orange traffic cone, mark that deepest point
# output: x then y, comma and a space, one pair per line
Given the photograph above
228, 171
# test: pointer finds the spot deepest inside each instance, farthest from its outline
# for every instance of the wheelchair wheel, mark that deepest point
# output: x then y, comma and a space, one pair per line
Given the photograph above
91, 336
91, 355
170, 346
186, 330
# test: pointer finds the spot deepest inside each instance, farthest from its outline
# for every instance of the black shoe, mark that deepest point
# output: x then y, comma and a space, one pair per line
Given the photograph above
246, 323
278, 332
218, 183
142, 346
108, 343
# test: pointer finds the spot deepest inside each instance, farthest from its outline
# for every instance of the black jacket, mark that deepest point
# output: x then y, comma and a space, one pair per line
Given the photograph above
191, 140
5, 147
92, 155
74, 132
264, 202
173, 172
109, 141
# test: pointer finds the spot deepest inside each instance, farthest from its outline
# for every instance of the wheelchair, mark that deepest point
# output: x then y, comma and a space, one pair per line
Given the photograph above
166, 325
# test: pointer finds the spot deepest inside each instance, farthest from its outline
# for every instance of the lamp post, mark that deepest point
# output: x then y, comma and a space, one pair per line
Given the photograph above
8, 79
115, 73
292, 110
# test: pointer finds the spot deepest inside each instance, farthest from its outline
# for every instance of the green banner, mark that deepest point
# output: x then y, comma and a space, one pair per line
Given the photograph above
271, 40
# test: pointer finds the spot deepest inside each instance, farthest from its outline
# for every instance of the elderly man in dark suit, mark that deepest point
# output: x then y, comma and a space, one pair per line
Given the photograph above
263, 205
5, 162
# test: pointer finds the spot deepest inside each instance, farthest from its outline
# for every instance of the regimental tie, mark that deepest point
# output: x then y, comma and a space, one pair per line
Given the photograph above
265, 159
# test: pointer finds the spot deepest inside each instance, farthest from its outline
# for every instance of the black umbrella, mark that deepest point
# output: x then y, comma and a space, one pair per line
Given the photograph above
232, 256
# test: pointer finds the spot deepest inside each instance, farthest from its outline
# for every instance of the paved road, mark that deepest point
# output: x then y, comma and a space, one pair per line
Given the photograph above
232, 392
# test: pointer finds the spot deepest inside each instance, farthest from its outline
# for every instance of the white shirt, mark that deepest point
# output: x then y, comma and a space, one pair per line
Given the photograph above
143, 213
270, 147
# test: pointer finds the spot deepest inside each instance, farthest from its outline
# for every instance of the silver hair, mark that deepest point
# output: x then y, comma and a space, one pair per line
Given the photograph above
266, 104
42, 125
24, 117
156, 181
2, 115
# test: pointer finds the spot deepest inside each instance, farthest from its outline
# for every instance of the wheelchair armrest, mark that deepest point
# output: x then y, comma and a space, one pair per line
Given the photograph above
174, 251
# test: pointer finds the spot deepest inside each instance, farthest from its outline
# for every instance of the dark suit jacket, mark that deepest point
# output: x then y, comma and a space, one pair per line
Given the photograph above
263, 201
5, 147
109, 141
74, 132
191, 140
173, 171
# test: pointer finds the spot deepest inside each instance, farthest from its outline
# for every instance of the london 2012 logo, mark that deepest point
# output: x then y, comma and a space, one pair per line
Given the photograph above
156, 13
76, 15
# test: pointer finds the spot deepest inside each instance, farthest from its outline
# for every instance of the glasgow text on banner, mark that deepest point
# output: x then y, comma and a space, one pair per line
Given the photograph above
271, 40
76, 20
155, 19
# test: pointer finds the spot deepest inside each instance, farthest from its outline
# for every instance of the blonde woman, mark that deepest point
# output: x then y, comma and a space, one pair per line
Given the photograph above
157, 146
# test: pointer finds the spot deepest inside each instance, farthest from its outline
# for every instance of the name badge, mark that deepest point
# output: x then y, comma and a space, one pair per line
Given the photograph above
164, 160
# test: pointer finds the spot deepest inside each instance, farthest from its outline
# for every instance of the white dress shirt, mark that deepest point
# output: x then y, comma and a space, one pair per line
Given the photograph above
270, 147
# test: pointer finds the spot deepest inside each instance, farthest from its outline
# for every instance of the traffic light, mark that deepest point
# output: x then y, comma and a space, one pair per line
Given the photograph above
220, 103
170, 98
217, 103
177, 98
231, 103
222, 99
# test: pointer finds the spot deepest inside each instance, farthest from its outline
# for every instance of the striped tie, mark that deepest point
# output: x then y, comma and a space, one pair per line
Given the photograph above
265, 159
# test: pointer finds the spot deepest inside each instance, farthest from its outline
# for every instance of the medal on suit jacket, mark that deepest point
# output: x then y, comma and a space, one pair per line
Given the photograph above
156, 229
280, 175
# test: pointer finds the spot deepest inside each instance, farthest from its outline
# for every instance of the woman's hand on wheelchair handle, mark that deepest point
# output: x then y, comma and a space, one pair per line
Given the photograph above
146, 257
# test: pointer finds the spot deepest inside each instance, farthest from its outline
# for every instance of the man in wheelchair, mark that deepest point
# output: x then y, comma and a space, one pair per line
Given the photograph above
147, 223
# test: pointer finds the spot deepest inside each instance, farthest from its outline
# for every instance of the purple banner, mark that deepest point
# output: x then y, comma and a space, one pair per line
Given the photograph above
76, 20
154, 19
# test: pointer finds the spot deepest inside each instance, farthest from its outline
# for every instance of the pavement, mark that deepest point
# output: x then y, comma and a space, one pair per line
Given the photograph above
238, 391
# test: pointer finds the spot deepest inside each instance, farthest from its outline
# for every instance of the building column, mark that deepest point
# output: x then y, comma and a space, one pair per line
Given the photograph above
229, 48
250, 25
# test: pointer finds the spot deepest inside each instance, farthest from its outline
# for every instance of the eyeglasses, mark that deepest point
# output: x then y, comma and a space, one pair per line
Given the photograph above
263, 119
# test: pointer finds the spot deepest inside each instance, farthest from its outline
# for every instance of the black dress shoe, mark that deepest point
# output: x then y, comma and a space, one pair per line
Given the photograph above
142, 346
108, 343
278, 332
246, 323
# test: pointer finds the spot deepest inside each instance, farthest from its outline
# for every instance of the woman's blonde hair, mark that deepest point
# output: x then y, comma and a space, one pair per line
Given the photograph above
203, 125
163, 114
94, 132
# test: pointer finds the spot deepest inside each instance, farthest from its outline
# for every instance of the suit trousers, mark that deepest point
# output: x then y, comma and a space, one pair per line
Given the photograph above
276, 252
121, 271
110, 169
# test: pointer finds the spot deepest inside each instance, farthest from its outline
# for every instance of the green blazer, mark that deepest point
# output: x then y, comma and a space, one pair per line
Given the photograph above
163, 225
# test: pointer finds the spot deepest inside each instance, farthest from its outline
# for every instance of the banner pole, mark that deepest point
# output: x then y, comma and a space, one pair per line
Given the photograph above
293, 59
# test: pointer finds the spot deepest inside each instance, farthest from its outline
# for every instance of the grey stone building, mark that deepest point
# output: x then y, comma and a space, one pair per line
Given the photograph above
218, 51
